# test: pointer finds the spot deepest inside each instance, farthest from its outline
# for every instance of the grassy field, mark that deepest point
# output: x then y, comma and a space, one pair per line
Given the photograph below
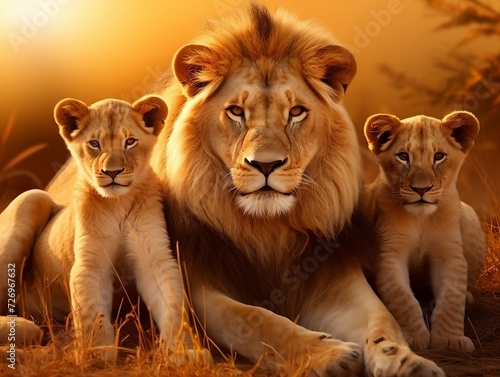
139, 355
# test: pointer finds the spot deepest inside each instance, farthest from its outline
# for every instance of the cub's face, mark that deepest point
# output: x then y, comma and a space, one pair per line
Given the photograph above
420, 157
111, 141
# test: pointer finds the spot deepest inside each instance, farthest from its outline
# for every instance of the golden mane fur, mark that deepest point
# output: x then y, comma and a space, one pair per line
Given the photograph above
198, 180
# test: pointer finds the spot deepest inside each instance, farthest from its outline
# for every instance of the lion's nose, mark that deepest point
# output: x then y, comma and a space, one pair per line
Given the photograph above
421, 190
112, 173
266, 168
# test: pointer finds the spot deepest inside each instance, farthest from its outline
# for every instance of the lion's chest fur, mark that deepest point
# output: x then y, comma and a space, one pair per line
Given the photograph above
286, 282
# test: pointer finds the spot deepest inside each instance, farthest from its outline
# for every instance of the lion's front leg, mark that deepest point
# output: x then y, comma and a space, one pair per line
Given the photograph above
158, 275
393, 285
449, 282
20, 224
272, 340
352, 312
91, 288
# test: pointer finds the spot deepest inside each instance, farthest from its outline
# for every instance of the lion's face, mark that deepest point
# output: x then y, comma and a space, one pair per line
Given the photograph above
266, 133
111, 141
259, 144
420, 157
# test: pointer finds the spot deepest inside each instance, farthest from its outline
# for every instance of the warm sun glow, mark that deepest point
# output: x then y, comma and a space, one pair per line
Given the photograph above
15, 10
26, 17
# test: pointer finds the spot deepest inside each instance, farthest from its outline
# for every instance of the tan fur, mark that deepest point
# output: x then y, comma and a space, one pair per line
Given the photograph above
271, 271
275, 275
114, 221
428, 237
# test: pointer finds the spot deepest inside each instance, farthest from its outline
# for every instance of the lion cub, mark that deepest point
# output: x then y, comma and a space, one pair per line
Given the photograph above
116, 216
428, 237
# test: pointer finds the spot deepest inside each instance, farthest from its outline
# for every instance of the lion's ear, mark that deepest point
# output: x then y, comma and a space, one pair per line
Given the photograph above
195, 66
464, 128
71, 115
153, 111
335, 66
380, 130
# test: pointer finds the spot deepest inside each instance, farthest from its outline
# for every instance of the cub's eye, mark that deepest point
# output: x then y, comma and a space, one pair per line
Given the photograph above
129, 143
403, 157
94, 144
236, 113
297, 113
439, 157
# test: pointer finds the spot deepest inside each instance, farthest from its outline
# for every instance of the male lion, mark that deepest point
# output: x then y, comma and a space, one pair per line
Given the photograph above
262, 177
261, 162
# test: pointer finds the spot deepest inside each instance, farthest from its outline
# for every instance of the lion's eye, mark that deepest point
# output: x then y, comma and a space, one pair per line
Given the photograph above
403, 157
439, 157
130, 142
297, 113
236, 113
94, 144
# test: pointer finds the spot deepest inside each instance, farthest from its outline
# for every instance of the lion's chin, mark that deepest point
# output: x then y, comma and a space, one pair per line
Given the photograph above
113, 190
421, 208
266, 204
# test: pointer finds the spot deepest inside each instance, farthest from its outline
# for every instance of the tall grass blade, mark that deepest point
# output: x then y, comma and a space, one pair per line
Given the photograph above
23, 156
8, 129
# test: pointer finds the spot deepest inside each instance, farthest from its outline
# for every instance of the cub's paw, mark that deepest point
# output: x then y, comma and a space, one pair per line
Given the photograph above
200, 356
98, 356
462, 343
26, 332
389, 359
420, 340
332, 357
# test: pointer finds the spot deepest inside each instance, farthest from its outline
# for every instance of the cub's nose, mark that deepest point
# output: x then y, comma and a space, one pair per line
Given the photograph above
112, 173
421, 190
266, 168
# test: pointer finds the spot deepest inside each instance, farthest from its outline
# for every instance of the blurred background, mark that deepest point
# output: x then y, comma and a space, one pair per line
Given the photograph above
414, 57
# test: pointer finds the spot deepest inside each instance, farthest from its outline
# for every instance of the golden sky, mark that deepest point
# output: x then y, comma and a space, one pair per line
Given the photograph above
93, 49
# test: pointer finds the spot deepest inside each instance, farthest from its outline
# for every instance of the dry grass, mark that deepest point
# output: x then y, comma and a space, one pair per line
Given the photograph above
141, 356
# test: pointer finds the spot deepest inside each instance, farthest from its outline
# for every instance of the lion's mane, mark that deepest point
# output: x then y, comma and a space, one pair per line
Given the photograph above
197, 184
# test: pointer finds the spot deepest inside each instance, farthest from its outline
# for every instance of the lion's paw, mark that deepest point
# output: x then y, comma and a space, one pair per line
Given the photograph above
389, 359
454, 342
336, 358
420, 340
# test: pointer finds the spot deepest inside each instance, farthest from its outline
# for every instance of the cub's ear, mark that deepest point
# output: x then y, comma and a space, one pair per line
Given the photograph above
71, 115
334, 66
196, 66
153, 111
463, 128
380, 130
